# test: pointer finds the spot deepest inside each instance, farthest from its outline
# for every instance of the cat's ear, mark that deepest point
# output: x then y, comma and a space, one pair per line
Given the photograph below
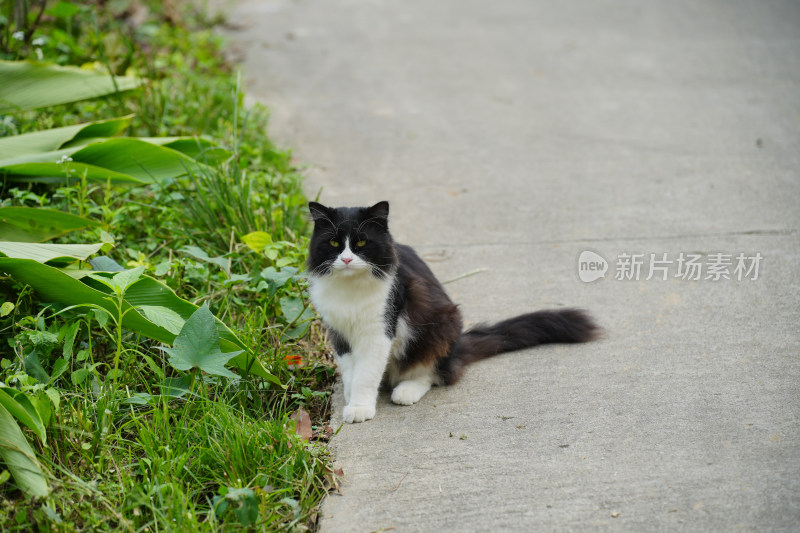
319, 211
380, 211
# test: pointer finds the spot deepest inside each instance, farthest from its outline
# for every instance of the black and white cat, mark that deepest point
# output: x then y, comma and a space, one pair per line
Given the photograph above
390, 321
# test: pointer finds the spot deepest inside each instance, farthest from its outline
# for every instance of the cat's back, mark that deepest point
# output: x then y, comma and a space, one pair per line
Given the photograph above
418, 281
412, 263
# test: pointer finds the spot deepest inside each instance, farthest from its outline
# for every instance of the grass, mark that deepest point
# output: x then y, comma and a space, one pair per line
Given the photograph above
133, 444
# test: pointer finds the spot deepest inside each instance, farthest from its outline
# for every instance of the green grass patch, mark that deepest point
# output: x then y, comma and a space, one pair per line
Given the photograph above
204, 261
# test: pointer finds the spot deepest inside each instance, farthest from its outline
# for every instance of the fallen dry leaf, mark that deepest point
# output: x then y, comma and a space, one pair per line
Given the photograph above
302, 423
332, 479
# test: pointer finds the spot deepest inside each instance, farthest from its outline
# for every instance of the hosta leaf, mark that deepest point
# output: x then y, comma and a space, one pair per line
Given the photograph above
120, 159
196, 148
20, 406
28, 85
140, 159
43, 253
58, 173
32, 224
19, 457
54, 139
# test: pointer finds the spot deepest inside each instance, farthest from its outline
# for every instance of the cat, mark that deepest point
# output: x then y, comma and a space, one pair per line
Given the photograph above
391, 322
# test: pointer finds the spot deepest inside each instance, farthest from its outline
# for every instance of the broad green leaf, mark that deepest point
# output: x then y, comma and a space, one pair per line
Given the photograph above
122, 281
176, 387
59, 367
292, 308
19, 457
198, 253
296, 332
80, 375
142, 160
57, 173
164, 317
34, 368
28, 85
32, 224
98, 130
6, 308
48, 252
257, 240
101, 316
278, 277
75, 152
53, 285
105, 264
41, 403
120, 159
54, 139
78, 272
63, 10
197, 346
196, 148
162, 268
236, 278
68, 334
42, 338
55, 397
19, 405
284, 261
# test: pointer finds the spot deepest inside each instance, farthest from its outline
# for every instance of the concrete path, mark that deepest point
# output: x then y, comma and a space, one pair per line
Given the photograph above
511, 136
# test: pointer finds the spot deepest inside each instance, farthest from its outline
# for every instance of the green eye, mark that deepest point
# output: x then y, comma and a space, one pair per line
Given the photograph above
335, 244
361, 243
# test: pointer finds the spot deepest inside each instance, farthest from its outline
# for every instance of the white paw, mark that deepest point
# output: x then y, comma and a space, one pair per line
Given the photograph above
358, 413
409, 392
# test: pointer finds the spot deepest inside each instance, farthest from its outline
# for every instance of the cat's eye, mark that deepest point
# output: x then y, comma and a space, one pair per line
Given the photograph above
361, 243
335, 244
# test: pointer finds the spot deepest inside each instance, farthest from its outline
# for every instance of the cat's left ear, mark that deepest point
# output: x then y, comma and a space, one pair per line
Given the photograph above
380, 211
318, 211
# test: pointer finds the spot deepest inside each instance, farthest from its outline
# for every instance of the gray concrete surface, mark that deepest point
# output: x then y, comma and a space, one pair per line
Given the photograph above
511, 136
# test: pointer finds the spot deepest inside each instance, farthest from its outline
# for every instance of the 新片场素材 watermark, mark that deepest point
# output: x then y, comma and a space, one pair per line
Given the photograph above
662, 266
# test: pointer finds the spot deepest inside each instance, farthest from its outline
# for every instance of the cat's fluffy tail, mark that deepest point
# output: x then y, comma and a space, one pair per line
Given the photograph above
524, 331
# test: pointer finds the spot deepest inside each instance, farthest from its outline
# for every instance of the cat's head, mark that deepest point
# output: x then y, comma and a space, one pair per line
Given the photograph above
351, 241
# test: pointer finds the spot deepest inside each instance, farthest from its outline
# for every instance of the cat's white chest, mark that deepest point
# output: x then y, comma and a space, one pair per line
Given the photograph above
353, 305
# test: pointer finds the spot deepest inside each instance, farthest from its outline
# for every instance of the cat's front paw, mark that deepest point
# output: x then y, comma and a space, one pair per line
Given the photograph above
358, 413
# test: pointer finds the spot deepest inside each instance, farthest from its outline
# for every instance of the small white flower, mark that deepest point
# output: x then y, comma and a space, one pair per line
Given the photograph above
39, 41
18, 35
64, 159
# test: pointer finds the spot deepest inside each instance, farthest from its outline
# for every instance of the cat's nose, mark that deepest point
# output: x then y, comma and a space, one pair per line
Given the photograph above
347, 260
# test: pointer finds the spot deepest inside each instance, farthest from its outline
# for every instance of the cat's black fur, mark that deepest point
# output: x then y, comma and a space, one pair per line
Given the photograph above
418, 298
